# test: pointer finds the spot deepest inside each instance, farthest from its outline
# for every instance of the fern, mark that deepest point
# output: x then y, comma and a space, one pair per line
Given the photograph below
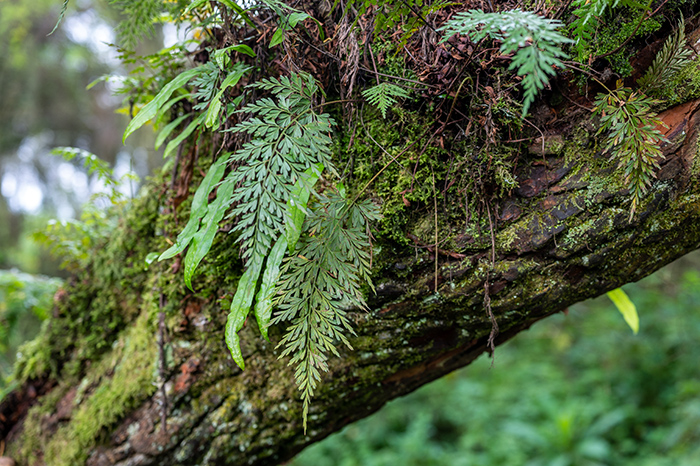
672, 58
384, 95
588, 14
139, 16
319, 282
289, 147
533, 40
634, 140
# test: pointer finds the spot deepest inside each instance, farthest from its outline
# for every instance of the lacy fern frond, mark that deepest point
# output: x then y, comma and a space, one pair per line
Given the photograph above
532, 39
588, 14
320, 283
674, 55
384, 95
633, 140
288, 138
139, 16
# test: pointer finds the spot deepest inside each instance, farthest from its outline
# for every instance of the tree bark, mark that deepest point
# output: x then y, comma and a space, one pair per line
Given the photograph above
133, 370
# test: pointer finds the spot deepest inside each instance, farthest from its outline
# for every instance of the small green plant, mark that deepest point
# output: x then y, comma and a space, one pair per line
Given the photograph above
532, 39
384, 95
634, 139
672, 58
75, 240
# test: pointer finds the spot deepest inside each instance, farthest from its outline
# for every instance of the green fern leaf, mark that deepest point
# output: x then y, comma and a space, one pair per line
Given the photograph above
384, 95
633, 138
319, 283
674, 55
533, 40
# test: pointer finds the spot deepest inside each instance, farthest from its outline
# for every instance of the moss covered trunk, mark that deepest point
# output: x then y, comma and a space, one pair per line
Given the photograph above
132, 368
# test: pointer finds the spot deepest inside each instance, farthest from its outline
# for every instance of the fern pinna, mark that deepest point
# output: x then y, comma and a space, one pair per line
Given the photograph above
532, 39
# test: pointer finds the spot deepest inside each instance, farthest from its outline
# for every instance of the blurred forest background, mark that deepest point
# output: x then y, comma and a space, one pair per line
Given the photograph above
577, 389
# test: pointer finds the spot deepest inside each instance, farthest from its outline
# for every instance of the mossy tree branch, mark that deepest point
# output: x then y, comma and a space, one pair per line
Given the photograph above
91, 397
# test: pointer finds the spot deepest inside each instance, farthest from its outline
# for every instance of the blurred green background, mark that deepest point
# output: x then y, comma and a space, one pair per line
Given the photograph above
577, 389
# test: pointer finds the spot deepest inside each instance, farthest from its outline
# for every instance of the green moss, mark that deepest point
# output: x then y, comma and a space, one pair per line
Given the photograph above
134, 361
684, 87
615, 31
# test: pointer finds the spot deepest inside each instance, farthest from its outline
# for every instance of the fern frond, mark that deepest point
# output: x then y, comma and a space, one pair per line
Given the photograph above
319, 283
532, 39
384, 95
139, 17
674, 55
633, 138
588, 14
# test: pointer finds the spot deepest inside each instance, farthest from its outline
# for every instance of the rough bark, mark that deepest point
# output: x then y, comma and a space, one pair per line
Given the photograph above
132, 369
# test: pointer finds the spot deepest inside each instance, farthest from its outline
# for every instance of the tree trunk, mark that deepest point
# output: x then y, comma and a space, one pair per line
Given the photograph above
132, 369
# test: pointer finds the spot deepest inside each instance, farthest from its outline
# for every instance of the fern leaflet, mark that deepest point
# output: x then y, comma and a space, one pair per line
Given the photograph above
384, 95
633, 137
674, 55
533, 40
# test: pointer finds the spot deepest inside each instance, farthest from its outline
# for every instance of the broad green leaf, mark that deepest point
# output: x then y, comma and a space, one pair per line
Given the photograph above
263, 301
151, 109
295, 17
202, 240
184, 135
297, 202
199, 207
215, 106
240, 306
626, 308
165, 132
243, 49
277, 37
221, 56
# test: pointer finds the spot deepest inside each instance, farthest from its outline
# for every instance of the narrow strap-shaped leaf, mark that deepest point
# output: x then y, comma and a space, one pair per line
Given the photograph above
626, 307
165, 132
199, 207
263, 301
215, 106
297, 202
238, 9
202, 240
151, 109
193, 5
184, 135
240, 306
